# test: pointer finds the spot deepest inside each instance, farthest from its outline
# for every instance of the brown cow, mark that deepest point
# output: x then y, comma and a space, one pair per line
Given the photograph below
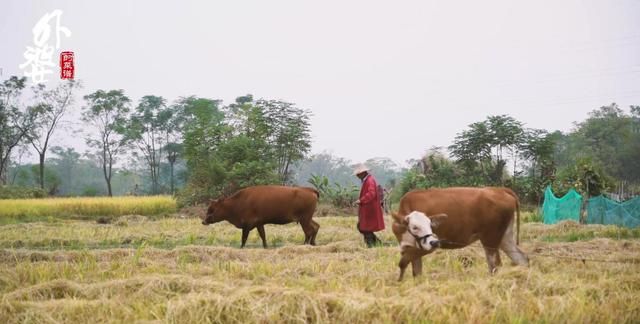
255, 206
458, 217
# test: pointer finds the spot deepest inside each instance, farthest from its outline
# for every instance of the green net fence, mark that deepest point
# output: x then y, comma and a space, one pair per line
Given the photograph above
556, 209
602, 210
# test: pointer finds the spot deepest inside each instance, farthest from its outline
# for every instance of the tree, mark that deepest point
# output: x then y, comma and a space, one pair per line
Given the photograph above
246, 143
146, 129
586, 176
48, 112
65, 161
434, 169
385, 170
472, 148
506, 133
173, 151
537, 147
51, 178
607, 131
176, 117
337, 169
609, 137
290, 134
107, 111
630, 154
204, 130
484, 144
278, 129
14, 123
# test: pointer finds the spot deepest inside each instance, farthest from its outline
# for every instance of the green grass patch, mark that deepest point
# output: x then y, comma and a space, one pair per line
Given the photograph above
14, 211
583, 234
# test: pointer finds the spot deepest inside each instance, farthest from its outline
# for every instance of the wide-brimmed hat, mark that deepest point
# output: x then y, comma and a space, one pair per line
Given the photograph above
360, 168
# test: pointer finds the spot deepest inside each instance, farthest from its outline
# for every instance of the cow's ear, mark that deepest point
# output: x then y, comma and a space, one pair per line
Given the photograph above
437, 219
398, 218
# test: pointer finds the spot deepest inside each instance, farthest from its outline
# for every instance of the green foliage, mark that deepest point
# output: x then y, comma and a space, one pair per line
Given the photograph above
107, 112
586, 177
75, 176
50, 108
483, 146
290, 134
337, 169
435, 170
537, 147
602, 151
14, 123
90, 192
338, 195
147, 129
247, 143
204, 131
18, 192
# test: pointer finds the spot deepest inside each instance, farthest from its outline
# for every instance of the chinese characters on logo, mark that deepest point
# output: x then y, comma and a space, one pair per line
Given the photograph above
66, 65
40, 57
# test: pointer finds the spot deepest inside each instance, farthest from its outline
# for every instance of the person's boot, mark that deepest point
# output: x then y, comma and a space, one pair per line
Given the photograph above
375, 241
369, 240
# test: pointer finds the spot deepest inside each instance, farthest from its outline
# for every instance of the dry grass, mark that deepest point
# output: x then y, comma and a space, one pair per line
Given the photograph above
177, 271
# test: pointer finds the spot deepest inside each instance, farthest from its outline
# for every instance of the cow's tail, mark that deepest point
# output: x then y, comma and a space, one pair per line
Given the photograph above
518, 220
515, 196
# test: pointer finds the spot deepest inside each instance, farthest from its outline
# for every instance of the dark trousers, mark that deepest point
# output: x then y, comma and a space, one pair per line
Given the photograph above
371, 239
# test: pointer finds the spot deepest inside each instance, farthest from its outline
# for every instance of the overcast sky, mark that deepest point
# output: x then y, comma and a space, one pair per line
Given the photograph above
387, 78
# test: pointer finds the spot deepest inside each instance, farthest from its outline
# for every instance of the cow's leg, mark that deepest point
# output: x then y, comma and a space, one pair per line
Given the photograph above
316, 227
509, 246
262, 236
307, 238
245, 235
307, 228
493, 257
416, 267
409, 256
404, 262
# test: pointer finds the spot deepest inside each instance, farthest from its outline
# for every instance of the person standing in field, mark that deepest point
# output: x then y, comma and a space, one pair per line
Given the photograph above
370, 218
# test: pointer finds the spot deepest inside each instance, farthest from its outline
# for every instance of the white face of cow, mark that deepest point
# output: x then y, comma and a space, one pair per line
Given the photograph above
420, 231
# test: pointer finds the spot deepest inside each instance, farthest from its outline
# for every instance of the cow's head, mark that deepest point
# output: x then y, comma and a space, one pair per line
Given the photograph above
421, 228
213, 214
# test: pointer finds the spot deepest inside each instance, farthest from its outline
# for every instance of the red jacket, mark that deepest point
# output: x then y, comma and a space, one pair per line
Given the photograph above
370, 211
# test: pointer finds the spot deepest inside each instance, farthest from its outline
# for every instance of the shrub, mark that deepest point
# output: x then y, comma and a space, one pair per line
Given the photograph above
337, 195
17, 192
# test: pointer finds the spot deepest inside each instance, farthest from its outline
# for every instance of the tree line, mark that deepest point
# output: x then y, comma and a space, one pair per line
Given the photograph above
221, 147
601, 154
199, 148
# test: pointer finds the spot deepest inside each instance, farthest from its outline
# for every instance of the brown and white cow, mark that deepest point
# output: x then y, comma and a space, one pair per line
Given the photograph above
453, 218
253, 207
